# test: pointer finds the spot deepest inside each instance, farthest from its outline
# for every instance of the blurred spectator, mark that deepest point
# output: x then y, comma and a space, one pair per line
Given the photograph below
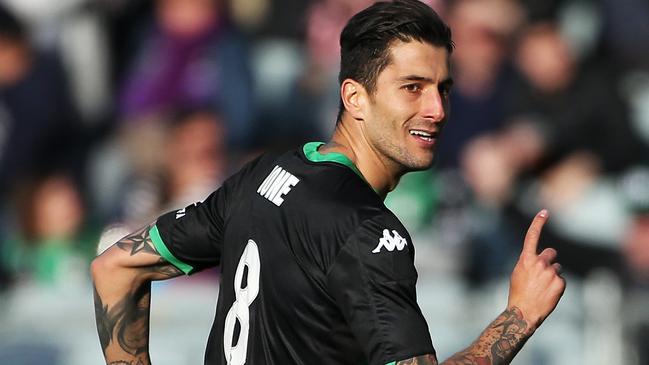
123, 20
541, 10
189, 56
557, 110
576, 106
325, 20
482, 32
309, 112
196, 157
192, 164
635, 245
626, 32
38, 121
250, 15
635, 248
568, 130
53, 243
73, 29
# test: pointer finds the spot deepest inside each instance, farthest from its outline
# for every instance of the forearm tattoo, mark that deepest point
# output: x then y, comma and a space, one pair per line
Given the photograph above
498, 344
419, 360
126, 323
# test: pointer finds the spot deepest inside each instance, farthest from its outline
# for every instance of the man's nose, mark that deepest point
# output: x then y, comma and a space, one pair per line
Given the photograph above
433, 106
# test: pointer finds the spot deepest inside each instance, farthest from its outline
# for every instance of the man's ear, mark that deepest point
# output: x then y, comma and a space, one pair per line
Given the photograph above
354, 97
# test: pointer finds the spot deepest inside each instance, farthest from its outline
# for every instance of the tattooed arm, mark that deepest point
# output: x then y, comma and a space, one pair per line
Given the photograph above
534, 291
498, 343
122, 278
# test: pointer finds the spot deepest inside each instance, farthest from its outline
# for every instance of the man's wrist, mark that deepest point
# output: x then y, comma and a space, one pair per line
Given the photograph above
525, 320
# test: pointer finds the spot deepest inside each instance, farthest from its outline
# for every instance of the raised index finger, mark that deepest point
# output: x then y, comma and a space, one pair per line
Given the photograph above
534, 232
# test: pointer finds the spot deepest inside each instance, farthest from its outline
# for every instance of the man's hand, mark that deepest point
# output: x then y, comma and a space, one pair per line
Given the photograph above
536, 285
535, 290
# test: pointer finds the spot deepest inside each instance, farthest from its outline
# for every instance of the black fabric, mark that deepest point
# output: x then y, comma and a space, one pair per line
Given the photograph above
336, 274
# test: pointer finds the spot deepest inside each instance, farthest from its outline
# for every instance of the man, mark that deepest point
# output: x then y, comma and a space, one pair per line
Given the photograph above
315, 269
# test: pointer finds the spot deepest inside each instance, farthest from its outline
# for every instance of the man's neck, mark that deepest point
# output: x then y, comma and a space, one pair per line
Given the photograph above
382, 175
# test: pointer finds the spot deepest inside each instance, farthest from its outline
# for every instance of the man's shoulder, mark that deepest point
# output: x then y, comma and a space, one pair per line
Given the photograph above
255, 166
369, 218
330, 193
381, 244
384, 225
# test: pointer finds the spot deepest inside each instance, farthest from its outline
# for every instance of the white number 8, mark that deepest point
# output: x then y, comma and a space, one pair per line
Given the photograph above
245, 294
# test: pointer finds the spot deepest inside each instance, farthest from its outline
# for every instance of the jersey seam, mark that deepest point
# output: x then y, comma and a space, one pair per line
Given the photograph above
347, 242
379, 321
372, 300
328, 271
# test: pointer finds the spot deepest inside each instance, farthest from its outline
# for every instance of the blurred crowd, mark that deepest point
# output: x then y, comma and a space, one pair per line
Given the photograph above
113, 112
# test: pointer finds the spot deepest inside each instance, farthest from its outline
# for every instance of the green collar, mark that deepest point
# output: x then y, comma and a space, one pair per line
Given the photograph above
312, 154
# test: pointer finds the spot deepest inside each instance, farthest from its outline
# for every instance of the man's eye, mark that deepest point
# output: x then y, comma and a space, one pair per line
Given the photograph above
413, 88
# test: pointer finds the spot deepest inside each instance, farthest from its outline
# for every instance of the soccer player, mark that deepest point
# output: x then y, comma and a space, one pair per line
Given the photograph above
315, 269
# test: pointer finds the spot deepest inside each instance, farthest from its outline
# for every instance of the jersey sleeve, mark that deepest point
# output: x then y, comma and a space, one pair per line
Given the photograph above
373, 282
192, 238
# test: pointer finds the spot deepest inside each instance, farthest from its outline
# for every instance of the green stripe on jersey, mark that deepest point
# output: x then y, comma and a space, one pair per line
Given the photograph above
162, 249
311, 152
391, 363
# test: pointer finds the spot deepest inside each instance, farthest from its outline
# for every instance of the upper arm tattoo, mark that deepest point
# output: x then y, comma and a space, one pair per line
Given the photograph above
140, 242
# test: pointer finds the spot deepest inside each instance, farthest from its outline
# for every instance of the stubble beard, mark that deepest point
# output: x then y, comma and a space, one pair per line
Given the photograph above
394, 149
401, 158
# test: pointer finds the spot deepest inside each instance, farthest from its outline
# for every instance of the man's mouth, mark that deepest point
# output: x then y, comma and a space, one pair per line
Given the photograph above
425, 135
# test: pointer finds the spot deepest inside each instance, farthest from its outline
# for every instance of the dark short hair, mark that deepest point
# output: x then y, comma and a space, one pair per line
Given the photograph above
366, 39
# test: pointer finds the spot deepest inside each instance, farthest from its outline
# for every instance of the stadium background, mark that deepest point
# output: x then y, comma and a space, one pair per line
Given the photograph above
113, 111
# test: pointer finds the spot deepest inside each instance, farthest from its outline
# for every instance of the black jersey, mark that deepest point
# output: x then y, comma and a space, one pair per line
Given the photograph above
315, 269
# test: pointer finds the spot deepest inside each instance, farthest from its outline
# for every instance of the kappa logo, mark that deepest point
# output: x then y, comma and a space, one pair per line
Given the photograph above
390, 242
